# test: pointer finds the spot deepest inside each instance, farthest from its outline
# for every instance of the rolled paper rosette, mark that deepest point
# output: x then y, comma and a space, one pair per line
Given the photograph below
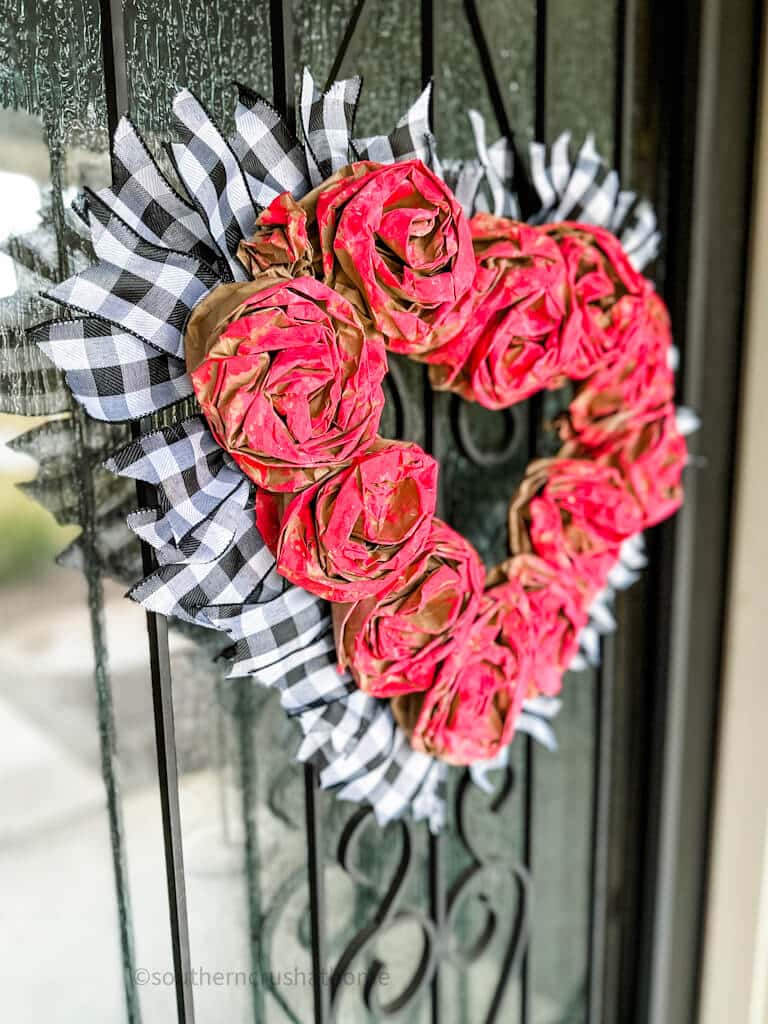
345, 538
471, 711
286, 377
605, 296
650, 458
390, 237
394, 641
509, 347
557, 613
633, 390
574, 514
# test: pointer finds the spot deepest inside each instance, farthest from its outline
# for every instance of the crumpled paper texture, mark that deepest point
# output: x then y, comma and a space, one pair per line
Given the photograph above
633, 390
557, 613
510, 345
287, 378
575, 514
393, 642
469, 714
651, 458
289, 375
392, 238
605, 295
347, 536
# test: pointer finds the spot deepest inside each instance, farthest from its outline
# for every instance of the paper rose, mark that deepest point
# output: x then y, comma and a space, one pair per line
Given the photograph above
281, 243
634, 390
651, 458
509, 347
392, 238
470, 712
394, 642
574, 514
557, 615
346, 537
287, 379
605, 295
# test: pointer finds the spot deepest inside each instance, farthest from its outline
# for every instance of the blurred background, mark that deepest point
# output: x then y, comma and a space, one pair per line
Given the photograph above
642, 840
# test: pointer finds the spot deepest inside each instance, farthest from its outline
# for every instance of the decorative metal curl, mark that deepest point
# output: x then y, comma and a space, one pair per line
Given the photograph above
479, 880
386, 917
461, 413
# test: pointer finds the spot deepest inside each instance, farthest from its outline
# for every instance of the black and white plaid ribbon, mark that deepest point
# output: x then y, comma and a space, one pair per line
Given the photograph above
158, 254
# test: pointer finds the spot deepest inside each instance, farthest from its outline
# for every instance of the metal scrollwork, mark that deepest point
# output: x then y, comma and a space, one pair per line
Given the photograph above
465, 416
478, 882
388, 914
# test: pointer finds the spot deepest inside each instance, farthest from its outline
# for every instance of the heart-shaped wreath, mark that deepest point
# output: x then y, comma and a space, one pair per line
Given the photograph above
273, 291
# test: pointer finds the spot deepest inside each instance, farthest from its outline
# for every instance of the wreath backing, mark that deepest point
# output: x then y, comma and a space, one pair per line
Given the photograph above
164, 261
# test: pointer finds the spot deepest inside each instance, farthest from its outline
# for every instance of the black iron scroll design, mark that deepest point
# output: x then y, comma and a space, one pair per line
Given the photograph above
389, 913
470, 423
478, 881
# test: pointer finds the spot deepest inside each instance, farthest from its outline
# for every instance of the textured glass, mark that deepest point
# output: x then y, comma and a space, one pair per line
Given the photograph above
199, 46
510, 29
52, 142
240, 789
582, 36
51, 139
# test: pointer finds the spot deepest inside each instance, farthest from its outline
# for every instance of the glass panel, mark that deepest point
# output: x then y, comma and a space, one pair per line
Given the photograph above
198, 46
580, 92
510, 29
54, 824
70, 799
241, 792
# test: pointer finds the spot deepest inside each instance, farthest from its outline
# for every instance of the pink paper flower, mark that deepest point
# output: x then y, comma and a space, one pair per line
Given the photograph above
289, 383
557, 614
394, 642
574, 514
605, 295
471, 711
509, 347
398, 235
281, 241
651, 459
345, 538
631, 391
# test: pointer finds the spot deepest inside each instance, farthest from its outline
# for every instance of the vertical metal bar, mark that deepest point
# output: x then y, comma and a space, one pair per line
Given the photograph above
601, 803
281, 36
116, 87
167, 770
316, 875
115, 65
528, 852
245, 723
534, 424
106, 718
437, 910
605, 681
